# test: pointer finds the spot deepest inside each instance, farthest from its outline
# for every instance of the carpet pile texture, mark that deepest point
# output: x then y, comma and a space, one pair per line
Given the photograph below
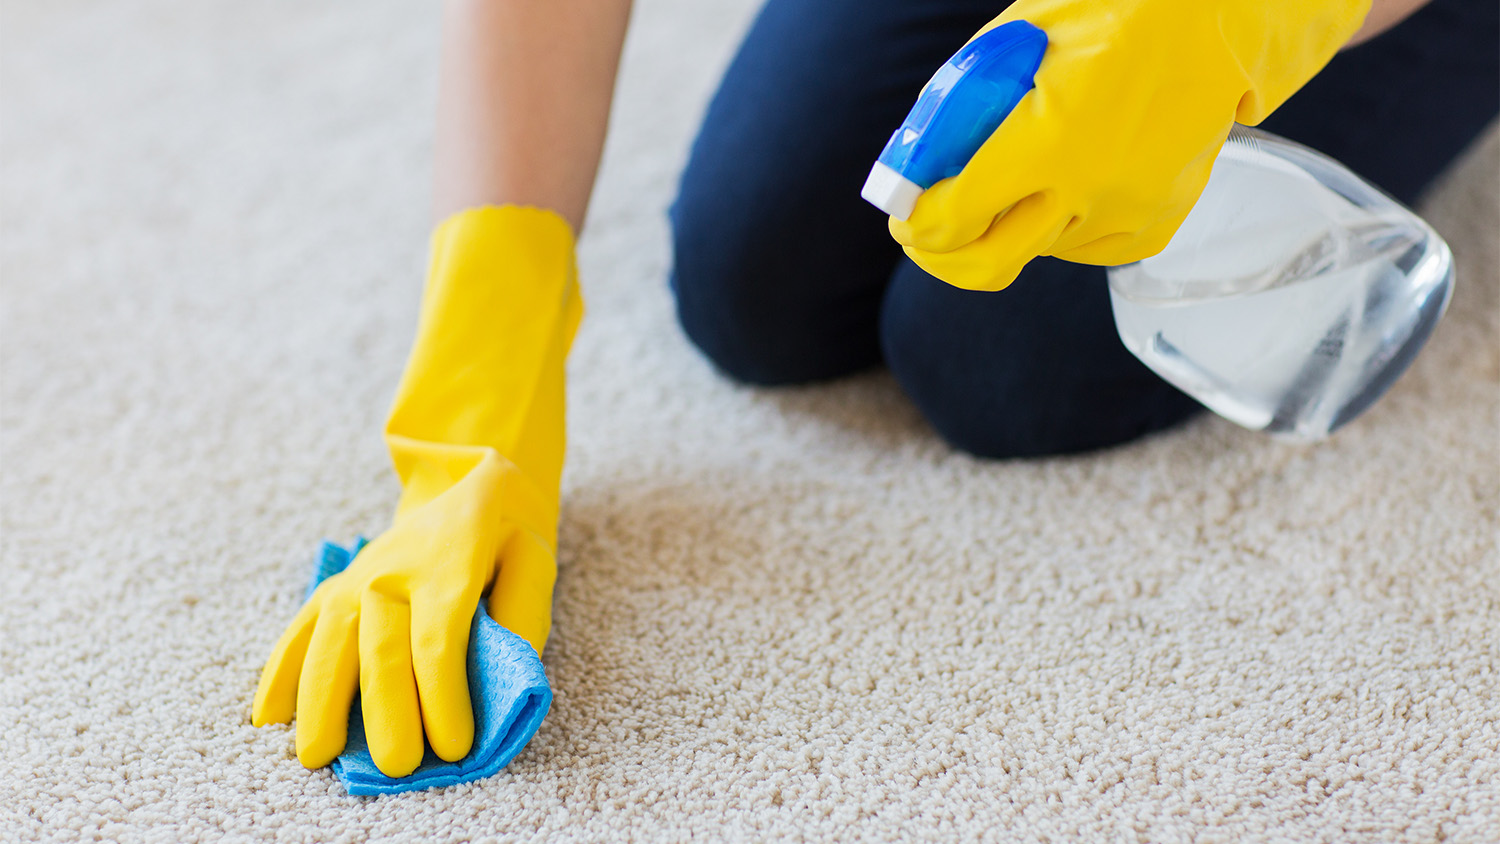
781, 615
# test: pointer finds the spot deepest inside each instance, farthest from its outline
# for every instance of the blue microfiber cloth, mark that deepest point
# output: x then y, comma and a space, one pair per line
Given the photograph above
508, 687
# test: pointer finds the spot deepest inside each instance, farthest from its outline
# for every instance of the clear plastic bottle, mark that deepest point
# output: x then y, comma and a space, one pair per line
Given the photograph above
1292, 297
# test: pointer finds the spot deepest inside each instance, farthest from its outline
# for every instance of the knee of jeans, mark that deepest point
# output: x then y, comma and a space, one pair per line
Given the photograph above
968, 422
725, 307
1015, 407
710, 288
756, 307
727, 334
933, 376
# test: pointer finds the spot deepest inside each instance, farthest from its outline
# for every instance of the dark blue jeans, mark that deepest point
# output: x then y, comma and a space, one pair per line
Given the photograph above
784, 275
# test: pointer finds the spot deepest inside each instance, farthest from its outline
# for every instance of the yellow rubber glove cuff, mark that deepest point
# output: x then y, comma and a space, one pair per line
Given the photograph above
477, 437
499, 313
1103, 159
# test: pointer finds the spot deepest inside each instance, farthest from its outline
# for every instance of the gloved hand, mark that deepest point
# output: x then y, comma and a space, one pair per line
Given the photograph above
477, 437
1103, 159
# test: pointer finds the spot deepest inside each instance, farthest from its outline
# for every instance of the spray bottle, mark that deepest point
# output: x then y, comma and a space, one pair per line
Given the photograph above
1292, 297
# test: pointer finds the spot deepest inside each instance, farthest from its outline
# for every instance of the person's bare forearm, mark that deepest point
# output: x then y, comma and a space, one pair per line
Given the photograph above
523, 102
1385, 14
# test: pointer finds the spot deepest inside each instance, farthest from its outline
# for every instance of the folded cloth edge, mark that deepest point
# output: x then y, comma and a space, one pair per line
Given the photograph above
507, 685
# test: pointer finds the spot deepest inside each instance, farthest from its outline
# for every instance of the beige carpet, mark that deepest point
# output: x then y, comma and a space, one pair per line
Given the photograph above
788, 615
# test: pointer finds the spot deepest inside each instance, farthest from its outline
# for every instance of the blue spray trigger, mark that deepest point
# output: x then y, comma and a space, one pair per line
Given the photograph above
959, 108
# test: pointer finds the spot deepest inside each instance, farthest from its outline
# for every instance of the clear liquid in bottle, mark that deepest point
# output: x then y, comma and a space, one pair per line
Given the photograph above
1292, 297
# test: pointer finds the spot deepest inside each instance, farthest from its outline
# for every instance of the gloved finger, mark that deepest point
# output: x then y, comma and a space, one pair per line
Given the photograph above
388, 689
330, 677
1124, 248
1137, 236
276, 696
439, 650
994, 260
957, 211
521, 598
1119, 248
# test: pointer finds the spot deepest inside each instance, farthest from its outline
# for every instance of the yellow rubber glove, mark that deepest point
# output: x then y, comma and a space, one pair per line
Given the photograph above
477, 437
1103, 159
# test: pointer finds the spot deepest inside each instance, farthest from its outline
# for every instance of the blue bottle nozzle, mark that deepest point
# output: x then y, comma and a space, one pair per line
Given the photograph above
960, 107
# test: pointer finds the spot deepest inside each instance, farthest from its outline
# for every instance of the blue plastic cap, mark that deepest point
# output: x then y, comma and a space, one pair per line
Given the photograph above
960, 107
